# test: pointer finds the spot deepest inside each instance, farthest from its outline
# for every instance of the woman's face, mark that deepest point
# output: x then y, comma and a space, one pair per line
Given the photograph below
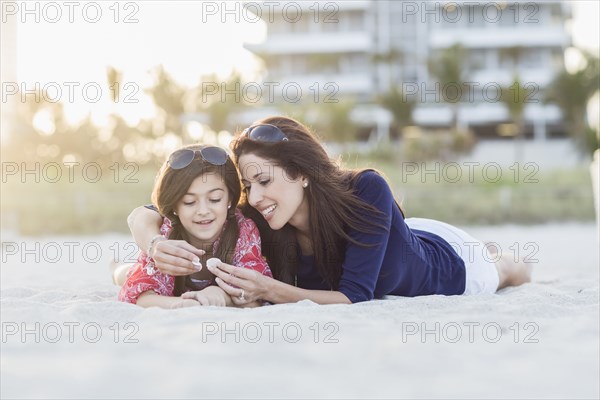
278, 197
203, 209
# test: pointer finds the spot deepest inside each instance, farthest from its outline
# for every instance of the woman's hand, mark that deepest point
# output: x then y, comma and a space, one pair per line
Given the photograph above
243, 285
176, 257
210, 296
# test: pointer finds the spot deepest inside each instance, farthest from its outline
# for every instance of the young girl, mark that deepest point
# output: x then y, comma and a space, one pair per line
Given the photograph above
338, 236
197, 191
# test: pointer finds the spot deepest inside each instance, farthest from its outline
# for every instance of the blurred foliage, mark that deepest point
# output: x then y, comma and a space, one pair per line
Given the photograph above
515, 98
211, 98
60, 141
572, 91
81, 177
419, 145
334, 123
331, 121
401, 108
130, 155
450, 67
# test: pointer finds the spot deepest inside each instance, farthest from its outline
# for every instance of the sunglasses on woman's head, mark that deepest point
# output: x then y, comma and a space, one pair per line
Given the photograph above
180, 159
265, 133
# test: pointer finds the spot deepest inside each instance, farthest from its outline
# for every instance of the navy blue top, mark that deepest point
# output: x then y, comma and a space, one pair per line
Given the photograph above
403, 262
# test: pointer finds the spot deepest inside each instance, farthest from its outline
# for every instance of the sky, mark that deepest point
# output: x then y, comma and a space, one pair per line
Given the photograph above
183, 37
187, 37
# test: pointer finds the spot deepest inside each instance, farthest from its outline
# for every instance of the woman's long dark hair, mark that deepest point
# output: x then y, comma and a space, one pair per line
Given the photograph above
172, 184
334, 208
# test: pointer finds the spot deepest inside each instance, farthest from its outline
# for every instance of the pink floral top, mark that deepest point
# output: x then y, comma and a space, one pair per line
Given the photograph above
144, 275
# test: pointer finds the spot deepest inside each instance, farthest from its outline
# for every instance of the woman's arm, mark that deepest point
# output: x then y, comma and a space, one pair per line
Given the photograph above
171, 257
144, 224
257, 286
152, 299
278, 292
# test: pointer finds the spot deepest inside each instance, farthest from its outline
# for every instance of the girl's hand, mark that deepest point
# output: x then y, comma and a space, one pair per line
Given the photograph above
175, 257
243, 285
210, 296
187, 303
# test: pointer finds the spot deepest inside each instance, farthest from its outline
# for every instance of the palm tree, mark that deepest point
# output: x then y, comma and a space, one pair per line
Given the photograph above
334, 122
400, 107
169, 97
514, 53
572, 92
114, 78
391, 58
515, 98
450, 67
390, 100
217, 106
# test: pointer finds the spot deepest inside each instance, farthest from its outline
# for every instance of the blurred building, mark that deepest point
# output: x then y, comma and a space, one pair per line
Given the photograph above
363, 48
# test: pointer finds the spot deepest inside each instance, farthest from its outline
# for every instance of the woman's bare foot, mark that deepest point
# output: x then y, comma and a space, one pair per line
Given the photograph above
512, 273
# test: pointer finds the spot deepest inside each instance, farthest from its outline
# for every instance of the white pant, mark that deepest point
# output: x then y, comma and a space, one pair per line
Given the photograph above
481, 273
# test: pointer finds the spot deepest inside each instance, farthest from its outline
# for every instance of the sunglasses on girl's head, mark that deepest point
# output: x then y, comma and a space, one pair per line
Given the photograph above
184, 157
265, 133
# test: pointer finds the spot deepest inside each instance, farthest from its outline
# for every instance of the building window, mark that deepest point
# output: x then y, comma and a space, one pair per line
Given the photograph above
328, 26
300, 26
556, 14
532, 58
558, 59
476, 59
277, 26
354, 21
354, 63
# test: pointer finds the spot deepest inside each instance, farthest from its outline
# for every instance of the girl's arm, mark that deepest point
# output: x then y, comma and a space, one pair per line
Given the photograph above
152, 299
215, 296
257, 286
171, 257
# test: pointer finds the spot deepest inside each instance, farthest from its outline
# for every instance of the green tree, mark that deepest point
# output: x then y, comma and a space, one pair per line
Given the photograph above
450, 67
334, 123
401, 108
392, 59
114, 78
514, 53
216, 99
169, 97
515, 98
572, 91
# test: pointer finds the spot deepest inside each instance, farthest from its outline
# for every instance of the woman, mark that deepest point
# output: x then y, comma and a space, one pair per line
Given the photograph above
332, 235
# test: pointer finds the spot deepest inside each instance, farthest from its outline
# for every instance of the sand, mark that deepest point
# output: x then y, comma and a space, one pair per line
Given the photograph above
64, 335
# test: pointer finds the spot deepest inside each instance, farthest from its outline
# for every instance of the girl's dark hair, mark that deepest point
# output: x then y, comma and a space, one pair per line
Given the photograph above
172, 184
334, 208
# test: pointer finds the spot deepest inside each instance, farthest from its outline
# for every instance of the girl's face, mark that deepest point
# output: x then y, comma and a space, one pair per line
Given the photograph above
279, 198
203, 209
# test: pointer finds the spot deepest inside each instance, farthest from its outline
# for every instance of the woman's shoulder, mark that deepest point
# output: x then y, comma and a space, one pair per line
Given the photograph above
370, 181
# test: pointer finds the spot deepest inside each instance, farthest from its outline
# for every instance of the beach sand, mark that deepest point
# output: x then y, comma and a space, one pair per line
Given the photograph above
64, 334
